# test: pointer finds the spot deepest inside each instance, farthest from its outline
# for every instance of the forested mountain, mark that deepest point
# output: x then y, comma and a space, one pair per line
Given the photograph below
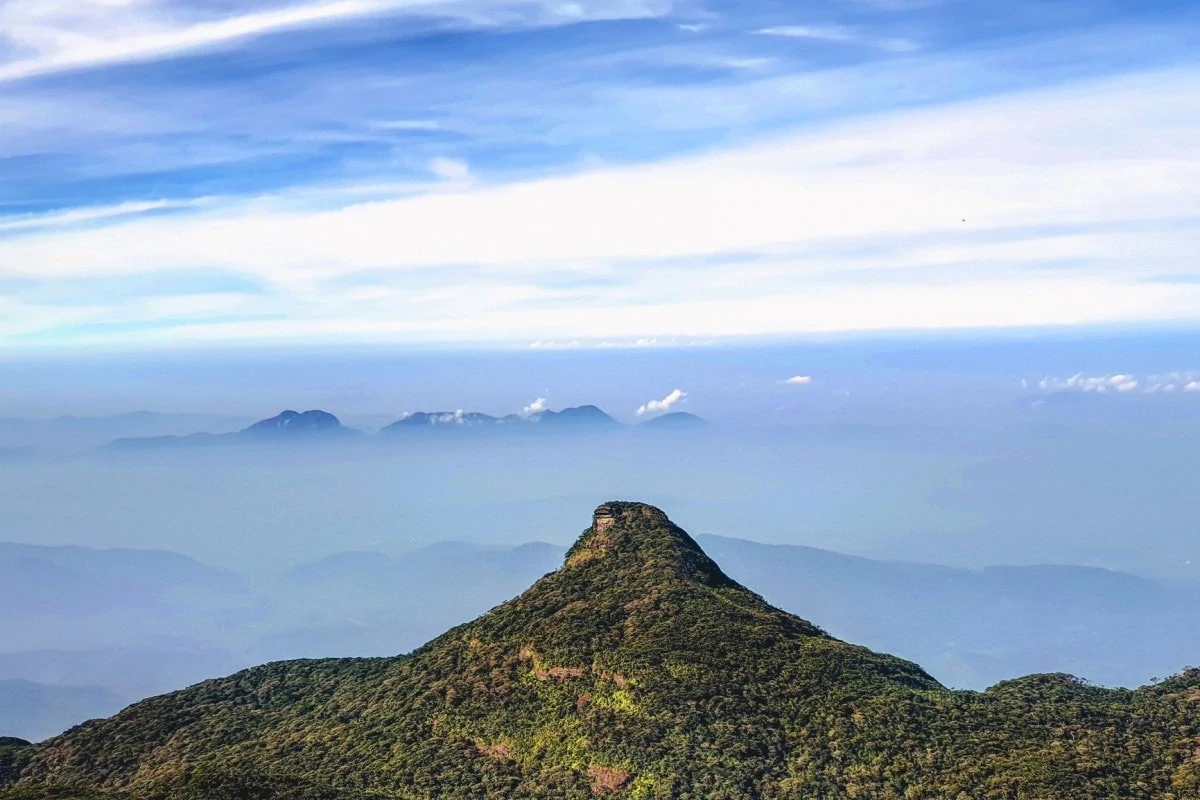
639, 669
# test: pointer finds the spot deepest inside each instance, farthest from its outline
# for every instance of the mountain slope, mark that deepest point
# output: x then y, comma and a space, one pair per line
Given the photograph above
639, 669
974, 627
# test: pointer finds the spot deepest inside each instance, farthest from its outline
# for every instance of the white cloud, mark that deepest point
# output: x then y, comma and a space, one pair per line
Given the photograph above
832, 33
407, 125
79, 216
857, 226
450, 169
1081, 383
1169, 383
536, 407
838, 33
799, 380
665, 404
55, 36
645, 341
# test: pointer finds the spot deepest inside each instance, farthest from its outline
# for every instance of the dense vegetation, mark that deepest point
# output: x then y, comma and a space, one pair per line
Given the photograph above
13, 755
638, 670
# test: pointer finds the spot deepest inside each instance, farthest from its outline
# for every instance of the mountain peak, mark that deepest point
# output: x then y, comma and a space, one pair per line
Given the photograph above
642, 539
295, 423
608, 514
581, 416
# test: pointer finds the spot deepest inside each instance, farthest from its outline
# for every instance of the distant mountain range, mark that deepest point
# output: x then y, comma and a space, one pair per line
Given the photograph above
638, 669
316, 425
286, 426
582, 417
48, 580
20, 437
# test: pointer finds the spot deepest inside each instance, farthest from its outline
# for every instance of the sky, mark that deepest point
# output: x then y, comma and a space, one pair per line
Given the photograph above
549, 174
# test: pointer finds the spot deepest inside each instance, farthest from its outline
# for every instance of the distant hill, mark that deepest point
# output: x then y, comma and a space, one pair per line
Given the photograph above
448, 420
72, 433
676, 420
129, 622
971, 627
580, 418
293, 423
78, 580
34, 711
639, 669
288, 426
372, 604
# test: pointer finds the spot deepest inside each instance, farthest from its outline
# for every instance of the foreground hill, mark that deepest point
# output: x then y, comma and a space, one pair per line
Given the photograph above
640, 670
139, 623
970, 628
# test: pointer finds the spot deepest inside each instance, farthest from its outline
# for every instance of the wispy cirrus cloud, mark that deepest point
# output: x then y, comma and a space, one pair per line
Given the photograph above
48, 37
346, 104
343, 173
990, 213
90, 215
839, 33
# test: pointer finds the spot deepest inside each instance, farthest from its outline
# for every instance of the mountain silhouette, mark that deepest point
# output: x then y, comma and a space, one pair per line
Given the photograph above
581, 417
676, 420
294, 423
286, 426
639, 669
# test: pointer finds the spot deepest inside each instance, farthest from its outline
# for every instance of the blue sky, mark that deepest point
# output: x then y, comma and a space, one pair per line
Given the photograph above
561, 174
